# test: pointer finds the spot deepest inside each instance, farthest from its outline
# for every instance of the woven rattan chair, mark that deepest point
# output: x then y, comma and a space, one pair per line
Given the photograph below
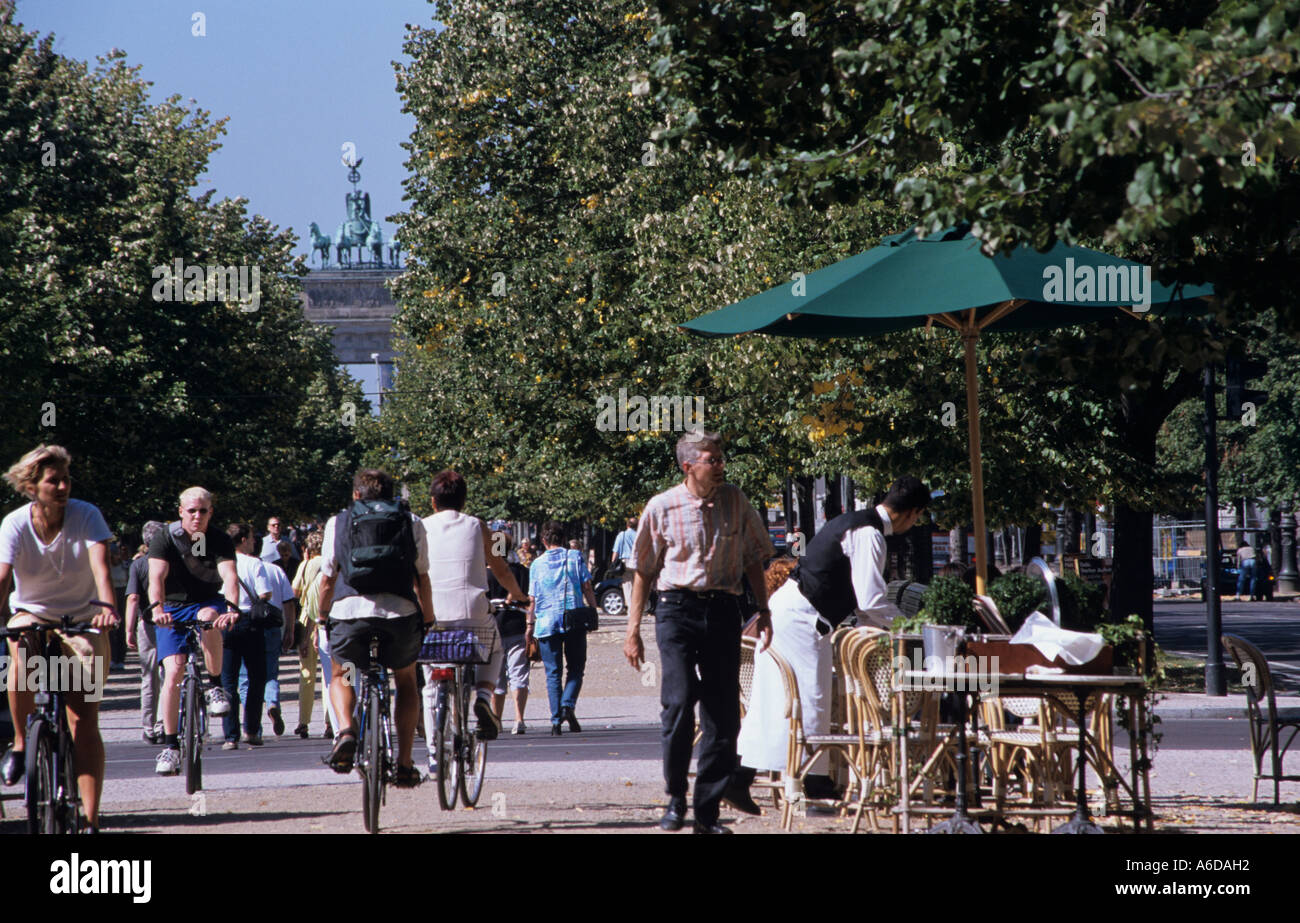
1272, 730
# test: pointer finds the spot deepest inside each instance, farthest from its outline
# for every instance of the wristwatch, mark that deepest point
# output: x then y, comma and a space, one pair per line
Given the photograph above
763, 611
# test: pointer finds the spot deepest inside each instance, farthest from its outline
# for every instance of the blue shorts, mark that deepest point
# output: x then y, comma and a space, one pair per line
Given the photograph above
172, 641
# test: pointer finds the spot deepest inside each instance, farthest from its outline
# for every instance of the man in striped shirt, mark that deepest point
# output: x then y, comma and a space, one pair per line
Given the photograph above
694, 543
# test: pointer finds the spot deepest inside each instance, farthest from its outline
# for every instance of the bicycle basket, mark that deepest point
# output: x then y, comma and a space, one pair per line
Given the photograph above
458, 645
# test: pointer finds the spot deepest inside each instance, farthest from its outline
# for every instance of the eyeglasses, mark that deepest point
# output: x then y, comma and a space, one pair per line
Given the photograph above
714, 460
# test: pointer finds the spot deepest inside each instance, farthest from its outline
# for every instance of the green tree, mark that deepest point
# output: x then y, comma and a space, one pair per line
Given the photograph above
530, 160
151, 395
1164, 132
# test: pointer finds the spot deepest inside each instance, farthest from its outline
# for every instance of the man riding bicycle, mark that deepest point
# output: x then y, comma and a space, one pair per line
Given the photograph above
374, 581
192, 577
56, 550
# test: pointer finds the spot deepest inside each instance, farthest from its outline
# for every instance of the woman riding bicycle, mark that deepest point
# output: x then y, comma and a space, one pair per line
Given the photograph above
56, 550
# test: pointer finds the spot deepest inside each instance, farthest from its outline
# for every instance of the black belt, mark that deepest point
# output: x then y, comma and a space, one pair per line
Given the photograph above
698, 595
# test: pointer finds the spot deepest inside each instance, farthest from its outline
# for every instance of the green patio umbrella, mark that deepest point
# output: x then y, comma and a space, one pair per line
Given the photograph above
911, 280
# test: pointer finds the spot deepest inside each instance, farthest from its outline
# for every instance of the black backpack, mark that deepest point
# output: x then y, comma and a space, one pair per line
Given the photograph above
382, 547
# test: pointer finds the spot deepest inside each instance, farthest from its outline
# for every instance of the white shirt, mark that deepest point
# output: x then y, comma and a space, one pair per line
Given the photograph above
378, 605
865, 549
270, 553
281, 588
252, 572
53, 580
457, 566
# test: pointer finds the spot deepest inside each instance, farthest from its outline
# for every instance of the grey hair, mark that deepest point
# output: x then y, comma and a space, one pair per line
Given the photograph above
691, 445
151, 528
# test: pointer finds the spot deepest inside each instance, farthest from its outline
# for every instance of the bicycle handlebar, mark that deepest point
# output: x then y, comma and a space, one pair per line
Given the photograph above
65, 623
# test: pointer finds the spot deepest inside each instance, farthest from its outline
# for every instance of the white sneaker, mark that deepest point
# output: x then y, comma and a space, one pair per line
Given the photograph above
218, 701
169, 762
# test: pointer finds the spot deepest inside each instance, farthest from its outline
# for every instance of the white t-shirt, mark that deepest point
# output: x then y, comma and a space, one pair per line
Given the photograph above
281, 588
253, 573
53, 580
270, 552
377, 605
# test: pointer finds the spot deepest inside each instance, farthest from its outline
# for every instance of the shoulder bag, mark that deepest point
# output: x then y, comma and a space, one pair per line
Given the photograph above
579, 618
261, 613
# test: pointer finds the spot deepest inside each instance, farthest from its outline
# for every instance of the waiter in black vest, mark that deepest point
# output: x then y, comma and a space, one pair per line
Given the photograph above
843, 572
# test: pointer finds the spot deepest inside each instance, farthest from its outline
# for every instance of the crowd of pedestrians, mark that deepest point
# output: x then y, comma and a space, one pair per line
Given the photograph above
377, 570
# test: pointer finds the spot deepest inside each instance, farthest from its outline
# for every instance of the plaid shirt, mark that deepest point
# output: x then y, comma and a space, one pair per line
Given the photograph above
693, 543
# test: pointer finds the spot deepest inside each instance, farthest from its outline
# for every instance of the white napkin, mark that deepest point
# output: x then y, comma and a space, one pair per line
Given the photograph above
1074, 647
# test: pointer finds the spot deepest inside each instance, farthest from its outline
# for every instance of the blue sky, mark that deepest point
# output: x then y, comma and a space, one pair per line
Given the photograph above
297, 78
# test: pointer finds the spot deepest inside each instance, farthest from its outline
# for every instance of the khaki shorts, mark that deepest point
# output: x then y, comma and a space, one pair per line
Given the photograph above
85, 664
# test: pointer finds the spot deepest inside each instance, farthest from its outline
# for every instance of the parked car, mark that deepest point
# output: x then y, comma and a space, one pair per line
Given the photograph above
1229, 572
609, 594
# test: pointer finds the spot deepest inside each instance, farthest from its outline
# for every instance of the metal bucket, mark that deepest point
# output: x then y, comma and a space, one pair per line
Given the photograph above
942, 641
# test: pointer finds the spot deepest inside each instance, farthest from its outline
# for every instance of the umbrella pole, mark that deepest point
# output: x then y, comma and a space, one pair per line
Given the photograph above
969, 334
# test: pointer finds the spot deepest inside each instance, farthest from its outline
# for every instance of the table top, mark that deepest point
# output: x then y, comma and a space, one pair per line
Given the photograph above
1023, 680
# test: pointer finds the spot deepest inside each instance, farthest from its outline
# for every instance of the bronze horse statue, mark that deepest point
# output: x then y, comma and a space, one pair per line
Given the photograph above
320, 243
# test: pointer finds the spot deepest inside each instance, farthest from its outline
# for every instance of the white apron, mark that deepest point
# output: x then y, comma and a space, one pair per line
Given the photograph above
765, 731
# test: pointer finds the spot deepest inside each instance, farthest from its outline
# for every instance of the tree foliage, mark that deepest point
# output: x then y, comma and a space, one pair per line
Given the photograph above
149, 395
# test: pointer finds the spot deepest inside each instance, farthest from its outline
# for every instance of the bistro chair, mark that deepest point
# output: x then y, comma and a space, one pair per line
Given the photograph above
1272, 730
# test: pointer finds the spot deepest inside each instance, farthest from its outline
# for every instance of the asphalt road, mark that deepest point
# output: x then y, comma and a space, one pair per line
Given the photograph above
135, 760
1272, 627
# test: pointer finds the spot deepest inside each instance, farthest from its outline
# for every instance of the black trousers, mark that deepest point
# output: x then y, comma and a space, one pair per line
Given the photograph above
699, 661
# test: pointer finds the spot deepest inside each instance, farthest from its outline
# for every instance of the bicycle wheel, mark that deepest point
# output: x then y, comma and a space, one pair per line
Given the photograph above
192, 742
444, 745
374, 776
41, 795
473, 755
70, 800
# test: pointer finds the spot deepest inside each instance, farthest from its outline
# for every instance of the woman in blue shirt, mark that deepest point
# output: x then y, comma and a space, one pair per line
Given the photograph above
557, 580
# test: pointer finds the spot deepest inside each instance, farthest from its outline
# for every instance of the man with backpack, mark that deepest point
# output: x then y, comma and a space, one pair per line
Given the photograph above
374, 581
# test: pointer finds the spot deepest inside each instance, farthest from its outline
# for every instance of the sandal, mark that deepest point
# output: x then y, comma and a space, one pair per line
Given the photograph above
407, 777
345, 749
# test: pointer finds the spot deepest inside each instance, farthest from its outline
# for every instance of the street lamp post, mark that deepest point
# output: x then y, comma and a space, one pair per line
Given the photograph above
379, 379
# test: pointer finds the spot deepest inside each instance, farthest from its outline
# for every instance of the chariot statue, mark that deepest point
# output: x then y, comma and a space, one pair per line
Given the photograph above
360, 231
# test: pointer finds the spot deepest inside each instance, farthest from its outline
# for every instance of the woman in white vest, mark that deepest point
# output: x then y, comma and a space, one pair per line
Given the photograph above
459, 549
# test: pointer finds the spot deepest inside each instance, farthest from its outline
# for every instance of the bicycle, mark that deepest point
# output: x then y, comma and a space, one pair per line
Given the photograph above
52, 796
375, 760
192, 729
452, 653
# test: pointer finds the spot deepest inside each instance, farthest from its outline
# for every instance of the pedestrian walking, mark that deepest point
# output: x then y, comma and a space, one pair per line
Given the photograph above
557, 580
311, 648
695, 544
245, 644
511, 623
624, 543
277, 639
141, 636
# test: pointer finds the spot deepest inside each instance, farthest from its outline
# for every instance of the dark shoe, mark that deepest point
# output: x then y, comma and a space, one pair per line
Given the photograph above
277, 722
714, 827
13, 766
329, 733
556, 730
301, 731
566, 713
407, 777
739, 798
254, 739
344, 752
489, 726
674, 815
